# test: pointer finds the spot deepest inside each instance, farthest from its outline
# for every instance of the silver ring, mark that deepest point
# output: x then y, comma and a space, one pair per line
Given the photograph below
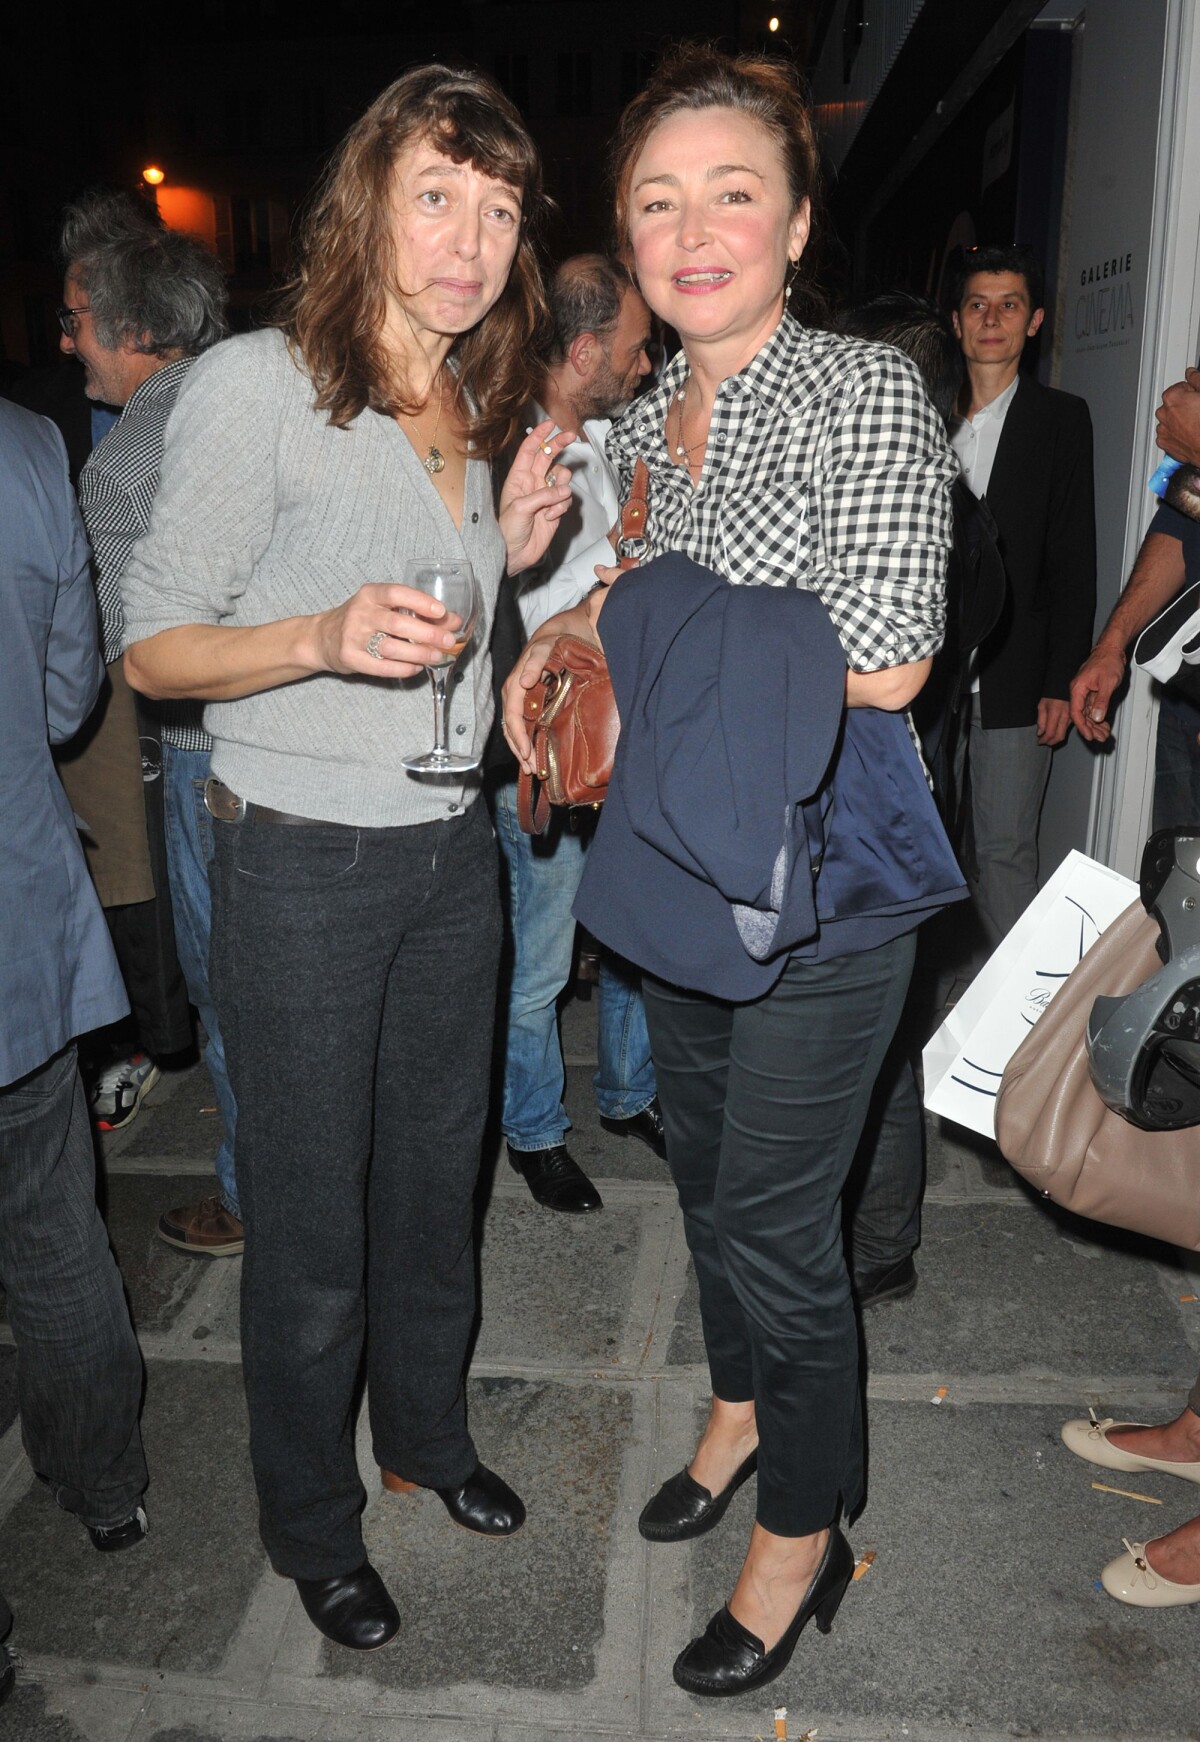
374, 642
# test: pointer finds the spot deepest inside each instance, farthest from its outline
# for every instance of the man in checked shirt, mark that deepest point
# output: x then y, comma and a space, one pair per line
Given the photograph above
141, 302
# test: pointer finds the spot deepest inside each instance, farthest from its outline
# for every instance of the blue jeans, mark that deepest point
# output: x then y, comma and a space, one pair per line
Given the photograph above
79, 1371
189, 851
543, 876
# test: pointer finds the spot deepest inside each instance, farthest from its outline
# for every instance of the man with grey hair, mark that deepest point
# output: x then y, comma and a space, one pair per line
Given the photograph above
141, 302
598, 356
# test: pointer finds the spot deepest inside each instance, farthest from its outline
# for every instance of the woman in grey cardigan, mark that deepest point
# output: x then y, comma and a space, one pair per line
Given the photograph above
356, 924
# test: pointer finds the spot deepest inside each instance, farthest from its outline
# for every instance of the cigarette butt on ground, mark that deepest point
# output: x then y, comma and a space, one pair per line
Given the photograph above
941, 1392
864, 1564
1126, 1493
781, 1723
1187, 1298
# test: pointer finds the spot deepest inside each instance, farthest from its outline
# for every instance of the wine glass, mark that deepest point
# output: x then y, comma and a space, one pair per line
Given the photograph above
454, 584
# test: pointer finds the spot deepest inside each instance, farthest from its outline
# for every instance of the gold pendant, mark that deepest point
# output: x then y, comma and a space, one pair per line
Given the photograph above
434, 462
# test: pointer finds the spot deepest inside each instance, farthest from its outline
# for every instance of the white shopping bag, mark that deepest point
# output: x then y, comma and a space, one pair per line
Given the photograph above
965, 1059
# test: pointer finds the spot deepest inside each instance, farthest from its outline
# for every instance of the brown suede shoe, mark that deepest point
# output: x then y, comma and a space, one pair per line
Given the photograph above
206, 1228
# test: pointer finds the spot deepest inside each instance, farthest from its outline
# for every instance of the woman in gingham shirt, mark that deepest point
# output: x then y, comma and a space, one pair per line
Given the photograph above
784, 456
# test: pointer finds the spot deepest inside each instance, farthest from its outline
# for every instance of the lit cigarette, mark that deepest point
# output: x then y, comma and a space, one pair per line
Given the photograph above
865, 1564
781, 1723
1125, 1493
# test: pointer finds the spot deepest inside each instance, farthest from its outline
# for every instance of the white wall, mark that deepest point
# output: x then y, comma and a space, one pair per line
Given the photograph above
1134, 214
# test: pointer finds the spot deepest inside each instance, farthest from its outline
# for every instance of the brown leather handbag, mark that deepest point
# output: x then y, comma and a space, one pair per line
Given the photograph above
1058, 1134
571, 716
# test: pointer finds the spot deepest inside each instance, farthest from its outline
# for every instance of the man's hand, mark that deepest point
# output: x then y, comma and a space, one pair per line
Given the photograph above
1178, 419
1053, 720
1092, 689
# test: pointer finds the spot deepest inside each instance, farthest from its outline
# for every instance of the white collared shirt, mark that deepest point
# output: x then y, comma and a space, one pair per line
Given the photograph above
976, 439
567, 572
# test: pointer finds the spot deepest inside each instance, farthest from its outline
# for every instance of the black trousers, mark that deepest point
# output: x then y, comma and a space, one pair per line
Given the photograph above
354, 972
763, 1105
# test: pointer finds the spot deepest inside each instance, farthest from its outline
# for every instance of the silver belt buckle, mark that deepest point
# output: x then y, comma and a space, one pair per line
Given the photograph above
222, 804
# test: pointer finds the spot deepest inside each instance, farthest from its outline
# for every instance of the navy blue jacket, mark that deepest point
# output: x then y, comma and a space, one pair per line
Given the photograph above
741, 780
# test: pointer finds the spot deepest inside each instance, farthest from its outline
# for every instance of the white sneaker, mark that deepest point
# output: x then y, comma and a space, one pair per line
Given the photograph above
118, 1091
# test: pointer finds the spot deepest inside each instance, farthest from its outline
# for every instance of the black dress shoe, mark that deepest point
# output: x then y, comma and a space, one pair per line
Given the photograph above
682, 1508
118, 1536
892, 1282
354, 1609
555, 1180
648, 1125
484, 1504
728, 1659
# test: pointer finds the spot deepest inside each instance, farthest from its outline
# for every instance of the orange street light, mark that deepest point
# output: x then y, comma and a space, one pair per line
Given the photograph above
153, 176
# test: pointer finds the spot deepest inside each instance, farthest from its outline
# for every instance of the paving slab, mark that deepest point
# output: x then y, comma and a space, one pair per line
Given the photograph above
1002, 1291
527, 1612
8, 1389
37, 1713
176, 1600
981, 1610
170, 1719
160, 1279
556, 1288
178, 1117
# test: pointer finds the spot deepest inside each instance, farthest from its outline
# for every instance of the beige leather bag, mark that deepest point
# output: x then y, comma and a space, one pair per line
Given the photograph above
1058, 1134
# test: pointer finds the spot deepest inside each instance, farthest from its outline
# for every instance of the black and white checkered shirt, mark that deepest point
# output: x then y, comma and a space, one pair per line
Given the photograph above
826, 468
117, 487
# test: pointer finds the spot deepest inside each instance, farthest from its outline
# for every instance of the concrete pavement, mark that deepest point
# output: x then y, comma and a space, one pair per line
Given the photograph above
980, 1617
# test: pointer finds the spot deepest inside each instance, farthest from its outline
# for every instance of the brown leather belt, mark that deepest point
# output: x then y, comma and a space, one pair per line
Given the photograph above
227, 807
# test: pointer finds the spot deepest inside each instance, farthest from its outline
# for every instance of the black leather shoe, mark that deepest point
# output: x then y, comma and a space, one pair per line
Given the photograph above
682, 1508
555, 1180
485, 1504
648, 1125
728, 1659
893, 1282
354, 1609
119, 1536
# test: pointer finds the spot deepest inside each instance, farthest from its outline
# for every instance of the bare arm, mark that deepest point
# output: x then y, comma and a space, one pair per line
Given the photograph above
1157, 576
219, 663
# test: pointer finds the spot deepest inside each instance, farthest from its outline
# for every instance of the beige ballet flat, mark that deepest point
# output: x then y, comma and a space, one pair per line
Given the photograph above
1131, 1579
1089, 1440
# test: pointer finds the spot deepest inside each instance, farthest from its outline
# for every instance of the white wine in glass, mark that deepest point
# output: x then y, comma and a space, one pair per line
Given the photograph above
454, 584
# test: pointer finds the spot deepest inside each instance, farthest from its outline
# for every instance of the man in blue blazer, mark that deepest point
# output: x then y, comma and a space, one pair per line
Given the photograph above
79, 1371
1028, 450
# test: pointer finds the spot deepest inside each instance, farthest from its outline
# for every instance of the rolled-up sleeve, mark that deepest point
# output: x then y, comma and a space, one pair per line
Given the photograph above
881, 511
215, 508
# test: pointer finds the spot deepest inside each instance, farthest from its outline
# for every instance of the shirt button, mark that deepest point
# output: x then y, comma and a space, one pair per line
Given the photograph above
452, 807
720, 435
474, 519
460, 730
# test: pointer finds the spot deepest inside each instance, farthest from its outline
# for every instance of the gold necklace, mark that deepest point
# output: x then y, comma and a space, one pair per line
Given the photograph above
682, 452
435, 460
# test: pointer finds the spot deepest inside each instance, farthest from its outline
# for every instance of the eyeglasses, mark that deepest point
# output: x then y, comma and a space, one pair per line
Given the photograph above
68, 318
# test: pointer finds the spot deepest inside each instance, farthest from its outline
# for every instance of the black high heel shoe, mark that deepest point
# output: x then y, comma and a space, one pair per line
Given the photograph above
728, 1659
683, 1509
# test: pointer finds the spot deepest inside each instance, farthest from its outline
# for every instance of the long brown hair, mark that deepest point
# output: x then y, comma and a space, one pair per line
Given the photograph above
696, 75
334, 309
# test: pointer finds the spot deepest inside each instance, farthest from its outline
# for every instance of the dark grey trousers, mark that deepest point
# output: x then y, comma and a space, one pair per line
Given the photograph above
79, 1371
354, 972
763, 1105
